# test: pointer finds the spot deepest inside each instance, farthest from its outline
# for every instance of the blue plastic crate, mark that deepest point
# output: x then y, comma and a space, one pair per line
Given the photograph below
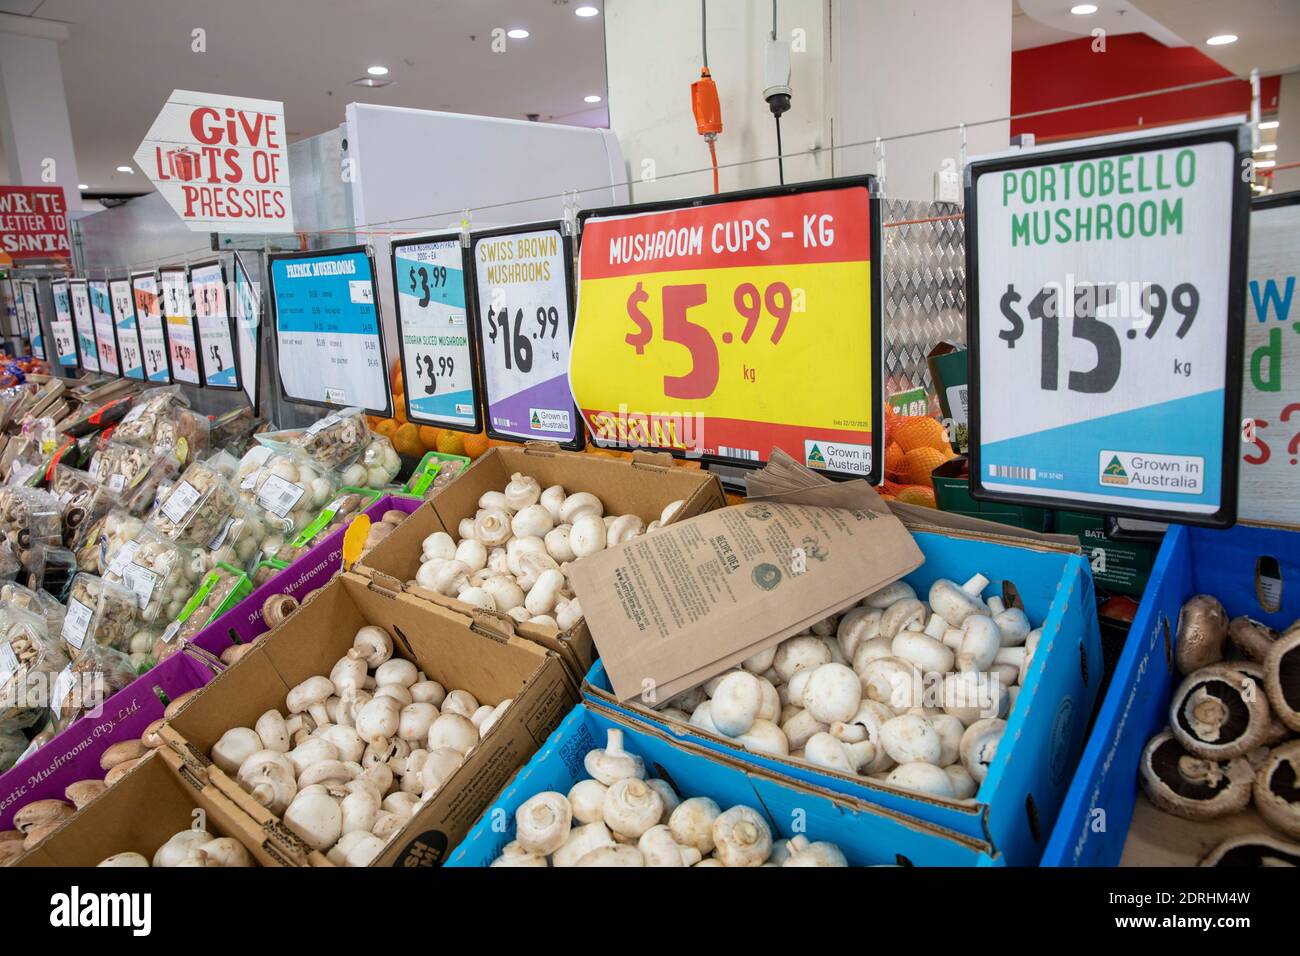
867, 835
1098, 808
1018, 801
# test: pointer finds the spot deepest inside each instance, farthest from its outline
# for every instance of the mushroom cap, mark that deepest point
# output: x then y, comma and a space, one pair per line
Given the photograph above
1253, 849
1282, 678
1218, 712
899, 614
923, 778
741, 837
542, 822
1202, 629
612, 763
1192, 787
979, 746
1277, 788
41, 813
953, 604
1252, 638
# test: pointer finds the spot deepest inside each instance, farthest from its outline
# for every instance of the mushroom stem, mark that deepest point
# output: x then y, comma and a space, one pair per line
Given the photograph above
976, 585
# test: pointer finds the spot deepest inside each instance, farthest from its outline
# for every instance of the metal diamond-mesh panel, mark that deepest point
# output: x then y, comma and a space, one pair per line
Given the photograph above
924, 287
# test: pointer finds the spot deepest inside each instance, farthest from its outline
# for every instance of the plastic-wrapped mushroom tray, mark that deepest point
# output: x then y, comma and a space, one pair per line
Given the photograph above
99, 613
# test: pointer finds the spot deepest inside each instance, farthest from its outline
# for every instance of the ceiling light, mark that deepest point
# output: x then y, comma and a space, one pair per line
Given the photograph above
125, 169
518, 33
1269, 124
1083, 9
1222, 39
82, 186
377, 70
1265, 163
1267, 148
372, 81
593, 98
586, 11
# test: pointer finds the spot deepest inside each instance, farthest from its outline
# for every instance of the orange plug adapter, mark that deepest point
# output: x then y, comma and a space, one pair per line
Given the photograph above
704, 103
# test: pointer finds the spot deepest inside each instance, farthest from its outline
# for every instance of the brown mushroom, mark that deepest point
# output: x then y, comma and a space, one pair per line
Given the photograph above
1219, 713
11, 850
1277, 789
150, 737
1253, 849
172, 709
120, 770
83, 791
1202, 629
1189, 786
277, 608
1253, 638
42, 812
36, 834
10, 836
393, 516
1277, 731
1282, 677
122, 752
234, 652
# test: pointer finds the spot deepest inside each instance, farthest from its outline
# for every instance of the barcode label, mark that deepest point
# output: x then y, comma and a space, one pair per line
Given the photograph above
748, 454
278, 496
219, 538
8, 663
141, 581
75, 623
178, 504
1013, 471
125, 555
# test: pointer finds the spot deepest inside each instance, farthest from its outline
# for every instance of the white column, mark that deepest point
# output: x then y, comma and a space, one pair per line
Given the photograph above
34, 126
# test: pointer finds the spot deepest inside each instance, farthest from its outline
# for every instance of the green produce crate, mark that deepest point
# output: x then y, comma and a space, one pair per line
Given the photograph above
952, 494
326, 514
240, 591
427, 470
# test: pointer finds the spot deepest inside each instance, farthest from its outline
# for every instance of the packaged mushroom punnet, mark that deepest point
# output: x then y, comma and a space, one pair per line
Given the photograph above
38, 602
84, 502
30, 658
161, 420
285, 488
99, 613
196, 508
342, 442
29, 517
337, 514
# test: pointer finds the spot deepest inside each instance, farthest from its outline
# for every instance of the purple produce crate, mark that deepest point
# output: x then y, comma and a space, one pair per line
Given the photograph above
74, 753
243, 622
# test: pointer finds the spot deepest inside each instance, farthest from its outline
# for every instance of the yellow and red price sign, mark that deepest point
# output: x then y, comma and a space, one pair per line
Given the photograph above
727, 326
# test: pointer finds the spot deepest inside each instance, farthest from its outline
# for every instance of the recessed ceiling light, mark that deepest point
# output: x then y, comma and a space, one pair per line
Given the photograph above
586, 11
1267, 148
377, 70
82, 186
1222, 39
593, 98
1083, 9
372, 81
1265, 163
125, 169
518, 33
1269, 124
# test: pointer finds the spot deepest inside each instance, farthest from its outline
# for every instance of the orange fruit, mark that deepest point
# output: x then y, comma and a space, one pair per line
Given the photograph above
429, 437
406, 440
894, 459
395, 377
475, 445
916, 495
385, 427
919, 462
399, 413
451, 443
919, 432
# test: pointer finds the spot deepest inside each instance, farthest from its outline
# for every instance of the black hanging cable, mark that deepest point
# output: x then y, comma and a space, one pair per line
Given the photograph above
780, 163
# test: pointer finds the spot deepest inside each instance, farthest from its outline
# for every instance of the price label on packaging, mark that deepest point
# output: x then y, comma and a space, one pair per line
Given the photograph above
1107, 291
178, 320
331, 350
87, 350
523, 289
8, 663
181, 501
148, 315
27, 295
75, 623
128, 334
216, 343
65, 336
726, 326
439, 376
278, 495
124, 556
1270, 400
101, 310
141, 582
248, 331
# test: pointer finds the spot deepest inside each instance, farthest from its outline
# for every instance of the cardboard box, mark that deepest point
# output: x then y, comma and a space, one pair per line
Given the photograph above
146, 808
1018, 800
643, 485
1226, 564
477, 654
952, 493
868, 836
74, 753
1118, 567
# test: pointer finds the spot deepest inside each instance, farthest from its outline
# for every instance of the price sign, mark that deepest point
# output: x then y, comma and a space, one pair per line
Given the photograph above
248, 331
1270, 392
65, 338
1107, 285
439, 376
128, 333
326, 312
725, 326
101, 311
28, 294
523, 314
216, 342
178, 321
87, 350
148, 315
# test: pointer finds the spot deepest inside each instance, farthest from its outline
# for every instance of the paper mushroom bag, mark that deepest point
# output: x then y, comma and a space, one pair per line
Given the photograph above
670, 609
